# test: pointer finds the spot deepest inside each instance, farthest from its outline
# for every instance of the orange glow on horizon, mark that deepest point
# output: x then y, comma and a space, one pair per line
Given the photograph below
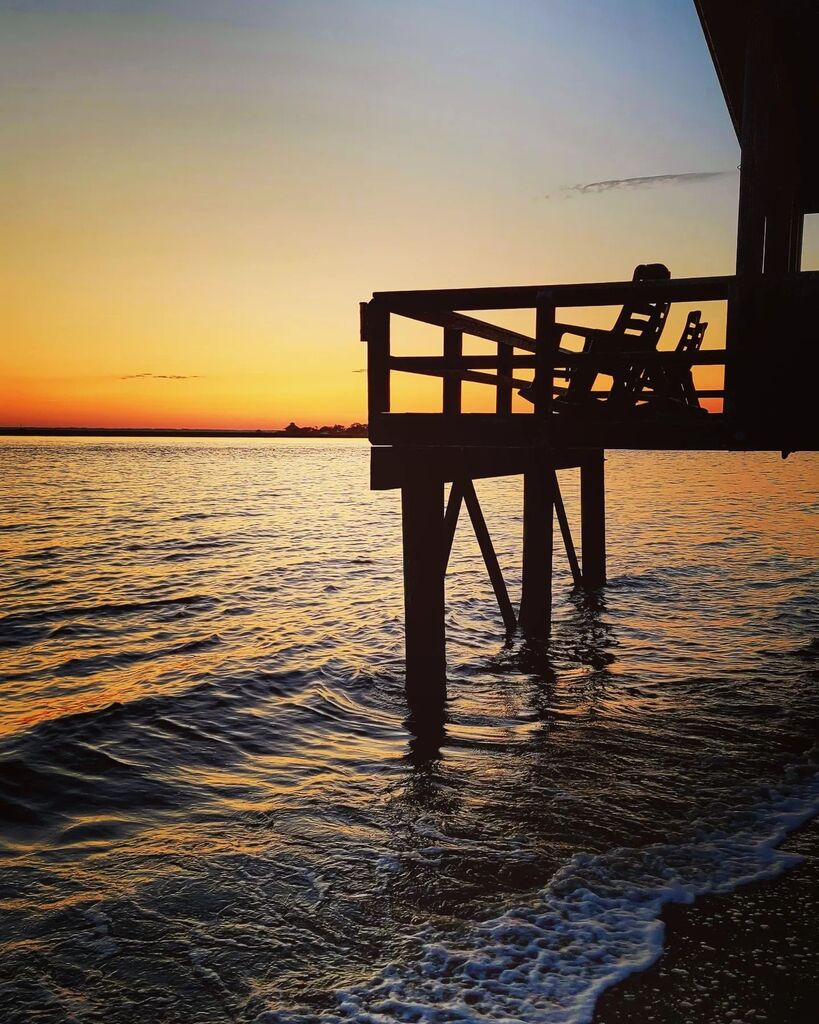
146, 403
195, 207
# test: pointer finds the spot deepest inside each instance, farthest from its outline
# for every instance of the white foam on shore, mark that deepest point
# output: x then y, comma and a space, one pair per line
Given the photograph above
596, 922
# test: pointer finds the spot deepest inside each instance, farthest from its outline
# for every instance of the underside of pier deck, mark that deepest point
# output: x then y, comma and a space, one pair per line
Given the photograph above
429, 523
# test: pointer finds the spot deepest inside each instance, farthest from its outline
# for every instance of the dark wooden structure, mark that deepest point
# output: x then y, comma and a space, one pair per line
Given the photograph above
764, 54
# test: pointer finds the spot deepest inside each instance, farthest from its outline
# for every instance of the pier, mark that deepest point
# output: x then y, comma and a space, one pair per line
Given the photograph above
566, 392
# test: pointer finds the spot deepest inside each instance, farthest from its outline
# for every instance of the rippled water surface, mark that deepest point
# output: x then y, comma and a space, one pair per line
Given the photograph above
212, 807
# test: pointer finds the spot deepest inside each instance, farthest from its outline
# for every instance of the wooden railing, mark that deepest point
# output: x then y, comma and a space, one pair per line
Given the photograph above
551, 363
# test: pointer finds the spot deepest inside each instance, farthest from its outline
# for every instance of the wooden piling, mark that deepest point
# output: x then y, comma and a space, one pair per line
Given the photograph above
593, 519
422, 513
538, 505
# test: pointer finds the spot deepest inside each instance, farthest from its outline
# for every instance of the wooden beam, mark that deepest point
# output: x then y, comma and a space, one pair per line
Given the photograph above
679, 289
496, 380
709, 432
391, 466
604, 293
447, 299
469, 325
754, 149
563, 357
489, 556
465, 362
648, 396
474, 428
654, 357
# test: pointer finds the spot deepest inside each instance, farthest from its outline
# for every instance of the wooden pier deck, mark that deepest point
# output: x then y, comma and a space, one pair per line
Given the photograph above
566, 392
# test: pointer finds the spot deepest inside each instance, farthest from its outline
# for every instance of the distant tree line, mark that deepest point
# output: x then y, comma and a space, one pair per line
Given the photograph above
291, 430
337, 430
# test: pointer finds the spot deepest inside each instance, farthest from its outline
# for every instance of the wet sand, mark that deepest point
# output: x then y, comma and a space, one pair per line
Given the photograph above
750, 956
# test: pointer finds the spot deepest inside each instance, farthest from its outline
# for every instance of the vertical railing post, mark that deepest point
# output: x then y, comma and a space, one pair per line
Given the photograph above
375, 330
593, 519
425, 556
546, 342
503, 400
453, 350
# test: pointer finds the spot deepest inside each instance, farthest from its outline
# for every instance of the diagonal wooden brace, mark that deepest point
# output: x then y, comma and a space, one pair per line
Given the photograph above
488, 551
453, 507
566, 533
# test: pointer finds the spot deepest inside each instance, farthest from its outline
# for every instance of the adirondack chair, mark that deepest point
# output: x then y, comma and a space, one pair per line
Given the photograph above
637, 329
672, 385
658, 389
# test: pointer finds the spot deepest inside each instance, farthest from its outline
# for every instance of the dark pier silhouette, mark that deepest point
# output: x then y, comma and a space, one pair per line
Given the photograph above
585, 389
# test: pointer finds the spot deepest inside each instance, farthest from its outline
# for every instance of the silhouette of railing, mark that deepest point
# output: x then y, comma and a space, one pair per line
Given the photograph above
654, 379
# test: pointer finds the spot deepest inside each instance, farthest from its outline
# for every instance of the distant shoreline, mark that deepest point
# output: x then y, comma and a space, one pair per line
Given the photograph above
356, 432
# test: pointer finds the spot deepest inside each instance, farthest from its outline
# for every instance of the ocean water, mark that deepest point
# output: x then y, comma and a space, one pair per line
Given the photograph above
214, 809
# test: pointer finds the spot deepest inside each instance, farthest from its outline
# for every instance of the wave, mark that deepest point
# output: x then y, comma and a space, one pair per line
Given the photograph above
597, 921
809, 651
103, 662
147, 754
20, 628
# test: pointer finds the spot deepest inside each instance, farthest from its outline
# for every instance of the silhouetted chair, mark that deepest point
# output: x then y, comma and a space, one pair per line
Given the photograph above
672, 385
636, 331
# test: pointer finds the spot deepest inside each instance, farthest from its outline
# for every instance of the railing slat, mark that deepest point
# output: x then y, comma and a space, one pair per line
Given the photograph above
475, 376
465, 362
469, 325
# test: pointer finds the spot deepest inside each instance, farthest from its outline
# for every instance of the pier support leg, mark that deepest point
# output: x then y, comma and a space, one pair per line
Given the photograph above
422, 512
593, 520
536, 596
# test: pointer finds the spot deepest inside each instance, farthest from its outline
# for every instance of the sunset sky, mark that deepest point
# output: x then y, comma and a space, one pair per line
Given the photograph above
197, 193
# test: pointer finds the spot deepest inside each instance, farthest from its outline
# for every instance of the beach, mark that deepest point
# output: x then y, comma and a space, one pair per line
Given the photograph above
752, 955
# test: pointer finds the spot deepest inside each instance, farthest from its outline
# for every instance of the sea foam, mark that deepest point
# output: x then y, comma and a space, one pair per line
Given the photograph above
596, 922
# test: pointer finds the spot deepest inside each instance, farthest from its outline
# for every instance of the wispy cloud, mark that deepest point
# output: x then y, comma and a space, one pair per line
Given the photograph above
644, 181
160, 376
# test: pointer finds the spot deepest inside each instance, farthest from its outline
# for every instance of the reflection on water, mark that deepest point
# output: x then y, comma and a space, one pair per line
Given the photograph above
214, 805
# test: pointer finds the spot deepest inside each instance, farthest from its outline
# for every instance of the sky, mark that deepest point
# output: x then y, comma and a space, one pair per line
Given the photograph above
198, 193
